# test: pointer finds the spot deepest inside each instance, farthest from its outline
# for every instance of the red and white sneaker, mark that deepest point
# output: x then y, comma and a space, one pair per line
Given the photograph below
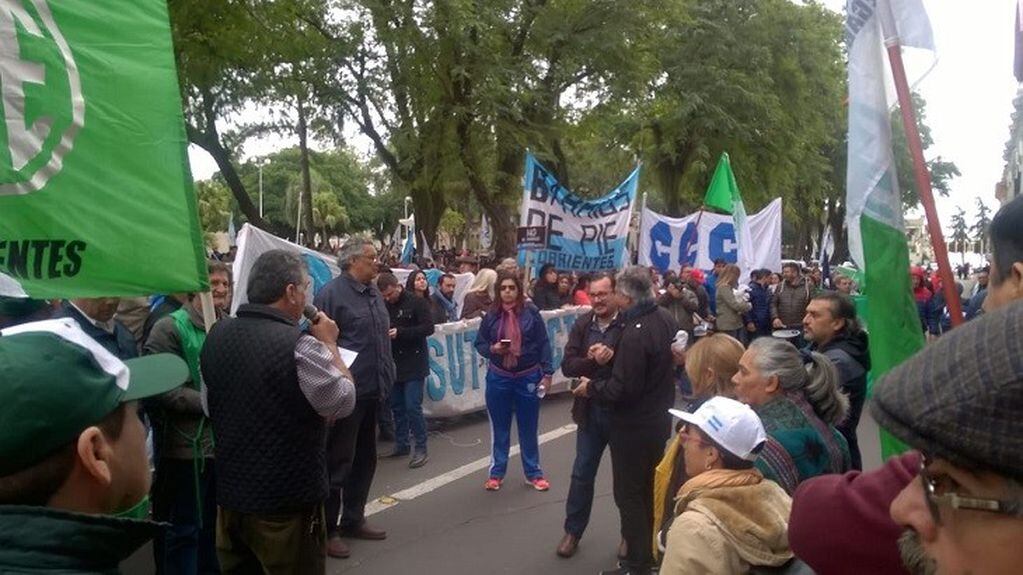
492, 484
539, 483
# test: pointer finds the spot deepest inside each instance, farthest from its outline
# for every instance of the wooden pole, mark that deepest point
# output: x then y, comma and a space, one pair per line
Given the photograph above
923, 181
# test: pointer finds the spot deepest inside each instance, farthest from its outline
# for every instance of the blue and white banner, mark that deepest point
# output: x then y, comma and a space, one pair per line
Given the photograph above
582, 235
457, 381
666, 243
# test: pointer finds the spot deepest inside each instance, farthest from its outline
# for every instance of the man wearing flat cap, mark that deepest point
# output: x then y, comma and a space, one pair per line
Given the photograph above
74, 476
958, 402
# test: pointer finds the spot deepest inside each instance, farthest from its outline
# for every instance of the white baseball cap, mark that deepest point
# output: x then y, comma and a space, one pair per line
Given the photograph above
731, 424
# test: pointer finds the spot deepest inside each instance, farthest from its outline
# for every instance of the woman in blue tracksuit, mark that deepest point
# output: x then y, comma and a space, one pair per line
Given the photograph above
513, 338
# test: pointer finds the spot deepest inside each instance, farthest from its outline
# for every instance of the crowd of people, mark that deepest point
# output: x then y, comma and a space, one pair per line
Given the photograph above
733, 441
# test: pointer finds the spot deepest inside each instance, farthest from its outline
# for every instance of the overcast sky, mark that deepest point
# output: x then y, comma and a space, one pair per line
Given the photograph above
969, 99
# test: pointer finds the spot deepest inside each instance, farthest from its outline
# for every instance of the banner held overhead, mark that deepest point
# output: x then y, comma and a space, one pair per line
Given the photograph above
583, 235
96, 196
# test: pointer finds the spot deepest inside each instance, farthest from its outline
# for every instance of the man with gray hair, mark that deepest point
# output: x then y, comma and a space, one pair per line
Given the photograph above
356, 305
272, 390
640, 391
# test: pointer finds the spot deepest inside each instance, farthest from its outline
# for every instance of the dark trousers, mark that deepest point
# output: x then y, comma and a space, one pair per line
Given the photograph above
857, 396
636, 449
590, 441
407, 407
272, 544
351, 463
189, 545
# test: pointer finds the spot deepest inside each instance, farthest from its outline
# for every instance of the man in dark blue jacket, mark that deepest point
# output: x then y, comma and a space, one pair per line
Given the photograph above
96, 316
758, 318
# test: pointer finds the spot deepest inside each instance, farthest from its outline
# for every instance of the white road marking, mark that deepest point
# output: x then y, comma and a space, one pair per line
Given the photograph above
432, 484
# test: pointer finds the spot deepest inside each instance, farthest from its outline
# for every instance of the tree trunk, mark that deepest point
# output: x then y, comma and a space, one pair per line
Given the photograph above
209, 140
306, 193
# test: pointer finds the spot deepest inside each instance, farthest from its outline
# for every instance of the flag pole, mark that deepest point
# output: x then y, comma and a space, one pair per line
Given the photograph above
923, 179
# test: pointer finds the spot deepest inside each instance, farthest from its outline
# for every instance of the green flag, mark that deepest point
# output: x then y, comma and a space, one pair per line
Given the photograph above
722, 191
96, 196
877, 239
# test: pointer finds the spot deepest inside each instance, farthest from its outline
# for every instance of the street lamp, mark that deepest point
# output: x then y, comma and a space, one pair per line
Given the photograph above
407, 200
259, 164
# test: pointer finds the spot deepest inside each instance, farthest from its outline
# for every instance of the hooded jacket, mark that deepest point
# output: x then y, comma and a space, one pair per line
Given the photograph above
728, 522
850, 353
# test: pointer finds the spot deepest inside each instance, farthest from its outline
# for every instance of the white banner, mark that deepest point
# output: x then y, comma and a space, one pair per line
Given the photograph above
662, 240
457, 381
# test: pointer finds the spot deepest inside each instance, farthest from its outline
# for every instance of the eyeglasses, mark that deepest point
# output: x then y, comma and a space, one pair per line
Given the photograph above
509, 288
691, 436
935, 493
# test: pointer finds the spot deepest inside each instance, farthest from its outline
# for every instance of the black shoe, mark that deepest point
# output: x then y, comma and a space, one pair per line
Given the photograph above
396, 452
419, 459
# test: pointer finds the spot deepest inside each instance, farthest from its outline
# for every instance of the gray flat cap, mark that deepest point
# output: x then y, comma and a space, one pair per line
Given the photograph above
961, 397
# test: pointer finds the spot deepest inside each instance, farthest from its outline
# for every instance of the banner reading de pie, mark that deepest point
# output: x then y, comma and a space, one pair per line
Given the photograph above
96, 196
582, 234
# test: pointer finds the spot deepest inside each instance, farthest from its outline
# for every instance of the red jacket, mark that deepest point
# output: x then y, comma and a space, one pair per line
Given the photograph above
840, 523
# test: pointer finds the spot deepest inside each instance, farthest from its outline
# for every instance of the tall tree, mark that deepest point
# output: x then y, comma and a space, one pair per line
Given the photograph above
960, 237
982, 226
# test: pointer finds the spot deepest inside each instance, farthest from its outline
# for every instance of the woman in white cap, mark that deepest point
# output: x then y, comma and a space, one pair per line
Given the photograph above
729, 518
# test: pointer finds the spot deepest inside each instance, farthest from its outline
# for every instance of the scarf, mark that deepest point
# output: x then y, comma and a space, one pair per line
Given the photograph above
638, 310
448, 305
715, 478
509, 329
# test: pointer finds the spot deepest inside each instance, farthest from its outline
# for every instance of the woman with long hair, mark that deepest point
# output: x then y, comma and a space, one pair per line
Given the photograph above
730, 308
797, 395
545, 294
418, 285
513, 338
480, 296
710, 365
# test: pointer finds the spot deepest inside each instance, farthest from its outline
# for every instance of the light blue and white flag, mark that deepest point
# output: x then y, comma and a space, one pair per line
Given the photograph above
582, 234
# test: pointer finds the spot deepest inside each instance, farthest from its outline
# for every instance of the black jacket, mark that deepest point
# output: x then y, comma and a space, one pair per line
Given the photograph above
641, 387
574, 363
411, 316
546, 296
851, 356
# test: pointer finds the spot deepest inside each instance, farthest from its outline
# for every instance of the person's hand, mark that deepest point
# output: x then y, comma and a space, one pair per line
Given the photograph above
583, 389
324, 329
603, 355
498, 349
546, 383
777, 324
678, 355
751, 327
392, 333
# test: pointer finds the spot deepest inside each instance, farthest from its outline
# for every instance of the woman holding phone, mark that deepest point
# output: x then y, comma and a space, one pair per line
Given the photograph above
513, 338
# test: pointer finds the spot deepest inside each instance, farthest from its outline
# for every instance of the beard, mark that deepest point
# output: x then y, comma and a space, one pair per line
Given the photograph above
913, 556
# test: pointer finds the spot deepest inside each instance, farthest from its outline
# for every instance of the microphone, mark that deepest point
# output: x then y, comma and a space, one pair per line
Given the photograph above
310, 312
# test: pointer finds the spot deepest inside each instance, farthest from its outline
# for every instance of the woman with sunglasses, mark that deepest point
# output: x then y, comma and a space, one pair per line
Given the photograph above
513, 338
729, 519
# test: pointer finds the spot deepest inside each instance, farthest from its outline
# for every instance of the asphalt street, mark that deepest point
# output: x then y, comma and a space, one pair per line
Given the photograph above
439, 519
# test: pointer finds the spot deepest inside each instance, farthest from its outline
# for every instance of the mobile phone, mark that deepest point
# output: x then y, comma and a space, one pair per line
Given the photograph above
505, 343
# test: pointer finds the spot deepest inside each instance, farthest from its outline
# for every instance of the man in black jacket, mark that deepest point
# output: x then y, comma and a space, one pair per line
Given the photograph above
640, 390
589, 352
831, 327
353, 301
411, 324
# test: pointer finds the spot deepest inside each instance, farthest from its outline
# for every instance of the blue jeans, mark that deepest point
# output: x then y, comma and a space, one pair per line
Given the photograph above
407, 407
514, 395
590, 441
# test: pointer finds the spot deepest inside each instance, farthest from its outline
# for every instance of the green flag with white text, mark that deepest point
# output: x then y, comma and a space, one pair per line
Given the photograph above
96, 196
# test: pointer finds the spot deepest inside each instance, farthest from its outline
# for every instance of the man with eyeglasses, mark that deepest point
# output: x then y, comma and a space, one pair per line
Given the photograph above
860, 535
356, 305
588, 353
